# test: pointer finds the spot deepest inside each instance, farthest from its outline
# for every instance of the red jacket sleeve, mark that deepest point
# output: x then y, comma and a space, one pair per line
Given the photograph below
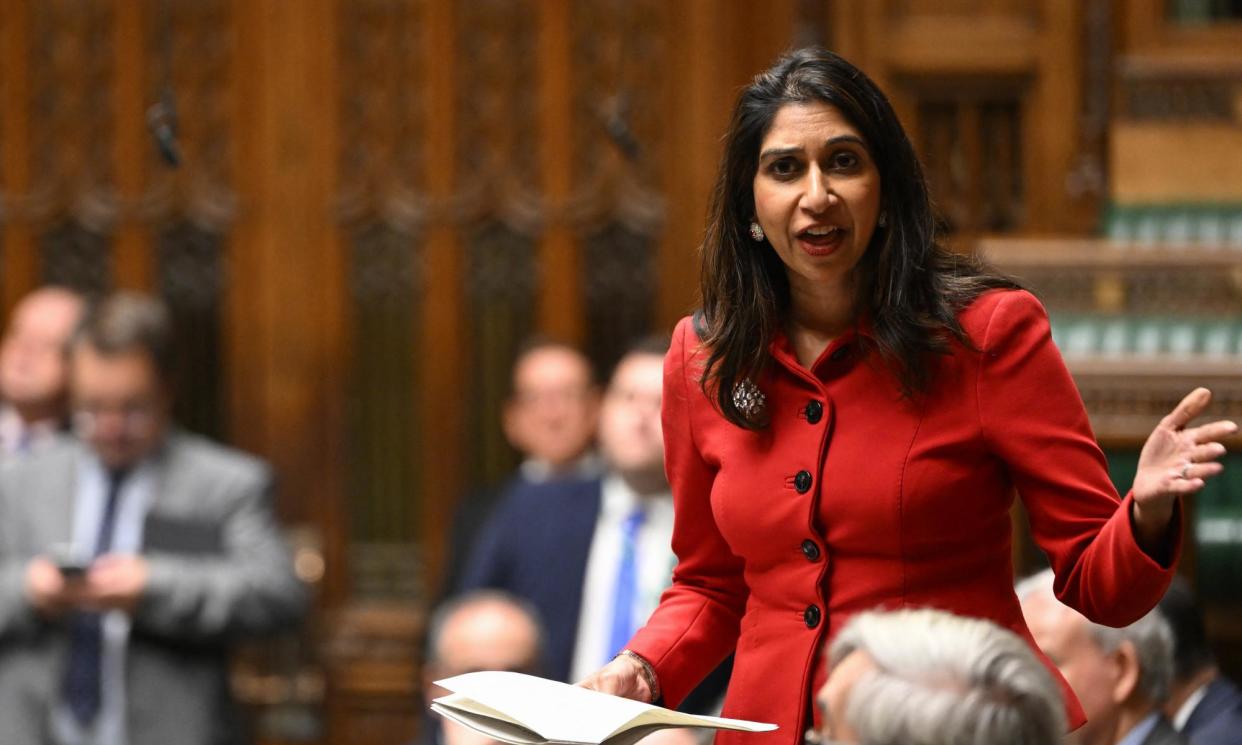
696, 623
1032, 416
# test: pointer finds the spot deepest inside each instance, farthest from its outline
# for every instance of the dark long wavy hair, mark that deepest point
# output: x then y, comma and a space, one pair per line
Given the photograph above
911, 287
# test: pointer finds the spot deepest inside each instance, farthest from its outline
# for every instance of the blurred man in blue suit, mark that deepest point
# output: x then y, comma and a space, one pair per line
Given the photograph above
592, 556
550, 418
1203, 705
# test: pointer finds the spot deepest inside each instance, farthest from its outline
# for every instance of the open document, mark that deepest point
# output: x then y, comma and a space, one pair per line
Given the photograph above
526, 710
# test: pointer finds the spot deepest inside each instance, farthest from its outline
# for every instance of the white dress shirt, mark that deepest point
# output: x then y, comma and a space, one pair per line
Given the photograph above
88, 510
655, 562
1188, 707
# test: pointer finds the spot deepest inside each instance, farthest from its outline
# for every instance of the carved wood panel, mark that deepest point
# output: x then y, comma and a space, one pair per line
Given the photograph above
501, 284
502, 208
496, 97
71, 76
619, 147
1004, 81
501, 215
972, 150
191, 57
87, 172
381, 115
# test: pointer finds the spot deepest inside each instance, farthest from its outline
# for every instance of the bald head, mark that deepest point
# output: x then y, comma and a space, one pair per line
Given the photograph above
483, 631
33, 354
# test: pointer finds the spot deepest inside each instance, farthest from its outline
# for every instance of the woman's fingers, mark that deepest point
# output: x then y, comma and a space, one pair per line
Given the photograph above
1205, 470
1176, 486
1199, 471
1205, 453
1212, 432
1190, 407
1189, 478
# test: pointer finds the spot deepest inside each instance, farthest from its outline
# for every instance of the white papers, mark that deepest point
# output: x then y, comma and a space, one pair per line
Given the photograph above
525, 710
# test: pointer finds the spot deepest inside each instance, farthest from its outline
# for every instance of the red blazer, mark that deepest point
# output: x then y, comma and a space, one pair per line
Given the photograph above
854, 498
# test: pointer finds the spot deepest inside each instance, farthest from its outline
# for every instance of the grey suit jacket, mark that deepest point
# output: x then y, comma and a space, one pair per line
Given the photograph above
219, 570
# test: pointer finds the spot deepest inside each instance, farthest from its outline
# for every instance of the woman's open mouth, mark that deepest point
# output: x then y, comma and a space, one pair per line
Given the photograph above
821, 240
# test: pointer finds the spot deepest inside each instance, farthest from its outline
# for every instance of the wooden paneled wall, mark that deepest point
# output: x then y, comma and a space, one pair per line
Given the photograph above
260, 91
1177, 130
354, 174
1002, 98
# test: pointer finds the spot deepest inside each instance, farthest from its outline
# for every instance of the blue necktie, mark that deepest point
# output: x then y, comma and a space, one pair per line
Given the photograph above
83, 673
626, 587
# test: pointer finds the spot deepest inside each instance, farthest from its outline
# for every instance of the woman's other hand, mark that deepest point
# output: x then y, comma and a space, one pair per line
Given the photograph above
1175, 461
623, 676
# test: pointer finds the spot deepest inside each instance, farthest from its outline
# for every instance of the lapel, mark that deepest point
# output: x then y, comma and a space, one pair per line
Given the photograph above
164, 475
55, 487
582, 512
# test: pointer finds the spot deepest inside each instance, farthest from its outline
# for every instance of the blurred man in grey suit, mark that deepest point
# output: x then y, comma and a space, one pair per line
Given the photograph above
131, 558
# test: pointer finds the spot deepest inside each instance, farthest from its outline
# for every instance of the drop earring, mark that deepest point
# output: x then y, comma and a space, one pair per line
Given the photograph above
883, 220
756, 232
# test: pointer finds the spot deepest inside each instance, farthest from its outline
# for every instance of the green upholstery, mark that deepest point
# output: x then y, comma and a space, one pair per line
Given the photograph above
1105, 336
1190, 224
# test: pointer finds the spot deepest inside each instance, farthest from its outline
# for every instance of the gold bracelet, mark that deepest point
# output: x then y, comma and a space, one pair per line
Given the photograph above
646, 671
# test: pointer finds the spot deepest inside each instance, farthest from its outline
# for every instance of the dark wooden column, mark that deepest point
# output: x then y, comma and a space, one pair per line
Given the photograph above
442, 397
560, 306
284, 309
17, 236
133, 260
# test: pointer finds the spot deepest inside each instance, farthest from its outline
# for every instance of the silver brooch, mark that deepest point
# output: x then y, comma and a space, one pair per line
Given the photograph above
748, 399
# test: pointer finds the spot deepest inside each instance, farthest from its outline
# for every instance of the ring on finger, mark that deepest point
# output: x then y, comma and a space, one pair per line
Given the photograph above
1185, 472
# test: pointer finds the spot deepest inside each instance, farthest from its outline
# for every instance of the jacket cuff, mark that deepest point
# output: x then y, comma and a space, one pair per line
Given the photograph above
1170, 549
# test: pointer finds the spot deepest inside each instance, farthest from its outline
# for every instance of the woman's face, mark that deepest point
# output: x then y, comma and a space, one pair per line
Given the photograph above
817, 193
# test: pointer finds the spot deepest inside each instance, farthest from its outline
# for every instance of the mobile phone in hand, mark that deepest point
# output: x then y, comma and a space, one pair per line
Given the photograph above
72, 569
72, 564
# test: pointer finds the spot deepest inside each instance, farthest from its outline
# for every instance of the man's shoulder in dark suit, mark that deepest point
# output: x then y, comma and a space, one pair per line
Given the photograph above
535, 545
1221, 696
547, 495
1217, 720
531, 524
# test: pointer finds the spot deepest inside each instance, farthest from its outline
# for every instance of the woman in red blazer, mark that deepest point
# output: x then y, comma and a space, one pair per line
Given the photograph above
848, 419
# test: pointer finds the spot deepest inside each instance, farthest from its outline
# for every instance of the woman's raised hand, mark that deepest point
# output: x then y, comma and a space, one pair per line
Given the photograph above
623, 677
1175, 461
